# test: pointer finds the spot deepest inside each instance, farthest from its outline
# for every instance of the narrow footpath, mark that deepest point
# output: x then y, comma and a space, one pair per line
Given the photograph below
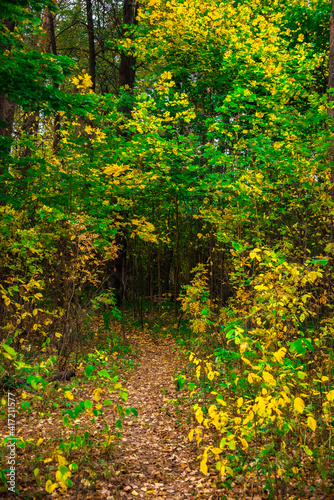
155, 459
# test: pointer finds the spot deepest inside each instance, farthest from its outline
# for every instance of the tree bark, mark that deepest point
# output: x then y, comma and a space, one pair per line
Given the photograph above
127, 72
7, 110
330, 109
49, 40
7, 107
91, 43
50, 46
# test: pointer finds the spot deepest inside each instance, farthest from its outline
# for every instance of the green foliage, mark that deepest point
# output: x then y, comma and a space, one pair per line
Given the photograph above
214, 181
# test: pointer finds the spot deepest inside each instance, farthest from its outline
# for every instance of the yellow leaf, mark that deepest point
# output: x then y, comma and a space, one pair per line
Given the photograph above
299, 405
330, 395
191, 435
40, 441
97, 394
244, 443
61, 460
47, 460
50, 487
267, 377
68, 395
312, 423
240, 402
212, 410
250, 415
203, 466
279, 355
216, 451
199, 416
312, 275
243, 347
35, 311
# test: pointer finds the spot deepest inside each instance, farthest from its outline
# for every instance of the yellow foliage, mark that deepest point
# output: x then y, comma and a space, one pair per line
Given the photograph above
299, 405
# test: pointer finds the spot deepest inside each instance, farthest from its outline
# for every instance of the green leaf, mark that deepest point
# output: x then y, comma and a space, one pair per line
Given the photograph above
25, 405
10, 350
63, 469
89, 370
134, 411
104, 373
307, 450
297, 346
88, 404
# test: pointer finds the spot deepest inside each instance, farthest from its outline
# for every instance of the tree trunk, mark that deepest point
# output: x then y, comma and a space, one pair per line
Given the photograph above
331, 96
127, 72
7, 107
50, 45
91, 44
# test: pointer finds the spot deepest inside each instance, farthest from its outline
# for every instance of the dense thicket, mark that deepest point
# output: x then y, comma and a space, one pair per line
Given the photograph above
142, 140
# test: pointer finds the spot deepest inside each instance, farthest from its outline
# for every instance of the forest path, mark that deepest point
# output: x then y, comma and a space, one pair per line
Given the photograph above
155, 459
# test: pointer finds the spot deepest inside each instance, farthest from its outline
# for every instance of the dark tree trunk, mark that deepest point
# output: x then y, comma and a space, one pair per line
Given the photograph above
49, 40
30, 127
91, 44
50, 46
331, 96
7, 107
7, 111
127, 72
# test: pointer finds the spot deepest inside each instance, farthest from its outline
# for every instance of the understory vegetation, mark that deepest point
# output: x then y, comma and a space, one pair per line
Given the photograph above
168, 167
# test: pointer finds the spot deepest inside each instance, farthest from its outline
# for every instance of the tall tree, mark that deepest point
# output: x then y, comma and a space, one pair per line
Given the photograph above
331, 100
127, 72
50, 45
7, 106
91, 42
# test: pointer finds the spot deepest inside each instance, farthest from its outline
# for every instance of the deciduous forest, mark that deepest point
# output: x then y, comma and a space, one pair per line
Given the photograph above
167, 249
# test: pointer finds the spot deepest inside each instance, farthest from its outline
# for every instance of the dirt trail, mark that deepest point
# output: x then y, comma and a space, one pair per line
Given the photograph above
155, 459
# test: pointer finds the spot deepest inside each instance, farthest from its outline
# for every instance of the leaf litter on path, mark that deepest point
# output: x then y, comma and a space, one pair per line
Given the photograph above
155, 458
